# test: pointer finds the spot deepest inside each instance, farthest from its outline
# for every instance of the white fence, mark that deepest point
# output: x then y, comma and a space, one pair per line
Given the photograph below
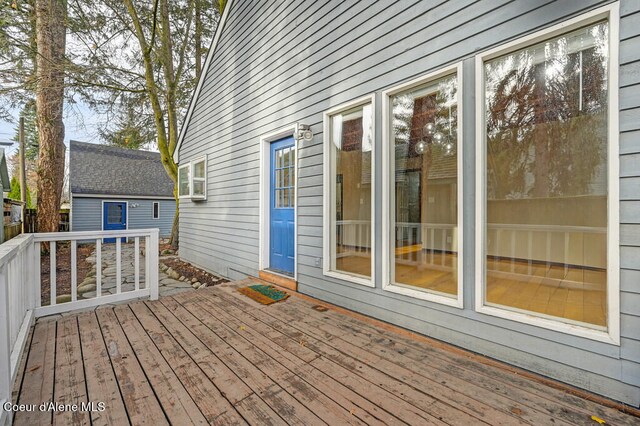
20, 288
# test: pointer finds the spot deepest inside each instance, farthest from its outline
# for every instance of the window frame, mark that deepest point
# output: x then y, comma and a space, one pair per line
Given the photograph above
388, 171
193, 179
612, 333
188, 195
153, 210
191, 166
327, 192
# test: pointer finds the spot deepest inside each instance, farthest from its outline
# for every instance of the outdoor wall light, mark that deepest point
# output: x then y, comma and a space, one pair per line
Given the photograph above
303, 133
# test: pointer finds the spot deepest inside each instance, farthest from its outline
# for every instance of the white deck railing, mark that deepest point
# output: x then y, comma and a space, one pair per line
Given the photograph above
20, 288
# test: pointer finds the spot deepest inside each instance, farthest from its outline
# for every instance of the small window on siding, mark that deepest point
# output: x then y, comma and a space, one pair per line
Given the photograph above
156, 210
199, 179
184, 189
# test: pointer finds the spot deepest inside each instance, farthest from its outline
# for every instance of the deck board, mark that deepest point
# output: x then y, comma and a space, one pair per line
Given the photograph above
172, 395
70, 386
214, 356
37, 384
102, 384
140, 401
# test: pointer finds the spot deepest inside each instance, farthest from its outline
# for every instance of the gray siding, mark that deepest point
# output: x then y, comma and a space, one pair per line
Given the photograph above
279, 63
86, 214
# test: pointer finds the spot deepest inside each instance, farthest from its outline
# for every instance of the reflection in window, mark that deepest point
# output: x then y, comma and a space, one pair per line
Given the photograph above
199, 178
351, 144
546, 176
424, 207
183, 180
114, 214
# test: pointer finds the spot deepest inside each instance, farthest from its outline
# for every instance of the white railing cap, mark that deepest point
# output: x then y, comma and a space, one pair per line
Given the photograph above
9, 249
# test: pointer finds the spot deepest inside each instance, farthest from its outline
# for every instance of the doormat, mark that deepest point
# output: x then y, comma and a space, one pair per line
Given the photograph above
265, 294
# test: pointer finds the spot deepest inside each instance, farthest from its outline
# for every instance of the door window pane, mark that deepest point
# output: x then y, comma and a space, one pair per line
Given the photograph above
114, 214
424, 198
351, 144
284, 178
546, 177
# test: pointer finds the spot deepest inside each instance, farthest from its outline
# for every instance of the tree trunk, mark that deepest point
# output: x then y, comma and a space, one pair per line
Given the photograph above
176, 223
51, 35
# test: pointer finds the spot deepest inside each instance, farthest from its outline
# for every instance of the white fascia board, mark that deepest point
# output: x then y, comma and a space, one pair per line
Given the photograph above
203, 75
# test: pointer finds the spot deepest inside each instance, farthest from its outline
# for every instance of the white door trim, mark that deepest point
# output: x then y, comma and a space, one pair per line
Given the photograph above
265, 197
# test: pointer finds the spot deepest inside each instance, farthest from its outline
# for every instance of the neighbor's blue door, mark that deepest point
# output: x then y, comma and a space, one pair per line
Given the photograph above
114, 217
283, 178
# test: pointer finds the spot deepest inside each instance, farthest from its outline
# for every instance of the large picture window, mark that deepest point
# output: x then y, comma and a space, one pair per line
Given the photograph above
424, 147
349, 196
545, 128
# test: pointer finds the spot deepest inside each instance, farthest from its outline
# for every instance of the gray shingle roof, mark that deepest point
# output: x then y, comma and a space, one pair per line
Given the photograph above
102, 169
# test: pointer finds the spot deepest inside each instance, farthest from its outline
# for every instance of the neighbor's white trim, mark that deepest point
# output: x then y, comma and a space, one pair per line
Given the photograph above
327, 226
388, 172
203, 75
153, 206
264, 241
612, 334
130, 197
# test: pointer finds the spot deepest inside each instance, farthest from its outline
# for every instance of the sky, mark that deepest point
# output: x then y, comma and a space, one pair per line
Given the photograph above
80, 123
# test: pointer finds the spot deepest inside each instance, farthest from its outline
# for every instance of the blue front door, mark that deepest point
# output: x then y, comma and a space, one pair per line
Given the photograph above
281, 232
114, 217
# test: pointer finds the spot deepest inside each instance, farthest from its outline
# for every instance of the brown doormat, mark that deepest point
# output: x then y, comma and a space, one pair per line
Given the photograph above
265, 294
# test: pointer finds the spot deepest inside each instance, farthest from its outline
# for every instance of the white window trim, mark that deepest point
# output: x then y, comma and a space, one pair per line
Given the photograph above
388, 170
193, 179
612, 334
190, 165
153, 208
327, 193
183, 196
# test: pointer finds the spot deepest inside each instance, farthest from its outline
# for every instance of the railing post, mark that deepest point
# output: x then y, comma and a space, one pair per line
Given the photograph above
152, 255
5, 348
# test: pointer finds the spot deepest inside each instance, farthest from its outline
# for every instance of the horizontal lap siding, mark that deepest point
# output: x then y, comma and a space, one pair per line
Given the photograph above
278, 63
86, 214
141, 216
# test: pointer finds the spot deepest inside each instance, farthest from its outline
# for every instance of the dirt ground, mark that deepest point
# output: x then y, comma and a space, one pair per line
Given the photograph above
190, 271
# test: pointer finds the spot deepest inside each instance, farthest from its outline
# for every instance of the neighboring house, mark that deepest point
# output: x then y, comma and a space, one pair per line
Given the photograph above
116, 188
472, 174
12, 209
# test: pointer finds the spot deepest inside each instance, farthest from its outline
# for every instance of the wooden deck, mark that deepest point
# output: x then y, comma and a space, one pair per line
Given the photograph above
215, 356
